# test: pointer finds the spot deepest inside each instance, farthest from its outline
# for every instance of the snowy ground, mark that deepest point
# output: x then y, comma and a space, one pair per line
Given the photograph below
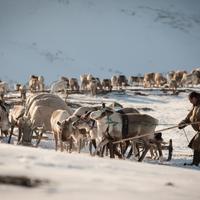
80, 176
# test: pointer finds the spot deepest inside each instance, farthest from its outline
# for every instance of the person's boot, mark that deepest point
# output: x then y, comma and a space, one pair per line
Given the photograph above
196, 158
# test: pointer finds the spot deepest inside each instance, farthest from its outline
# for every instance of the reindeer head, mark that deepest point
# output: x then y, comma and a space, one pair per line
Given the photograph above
65, 128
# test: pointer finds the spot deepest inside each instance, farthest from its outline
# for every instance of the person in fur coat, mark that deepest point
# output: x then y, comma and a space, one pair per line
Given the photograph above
193, 118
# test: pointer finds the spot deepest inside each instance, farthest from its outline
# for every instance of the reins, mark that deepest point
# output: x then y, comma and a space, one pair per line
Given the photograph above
161, 130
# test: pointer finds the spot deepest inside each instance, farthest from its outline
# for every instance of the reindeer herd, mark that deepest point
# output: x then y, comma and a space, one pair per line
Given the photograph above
102, 129
88, 83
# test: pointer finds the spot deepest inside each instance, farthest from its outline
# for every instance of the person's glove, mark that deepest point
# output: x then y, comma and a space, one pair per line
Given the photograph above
182, 125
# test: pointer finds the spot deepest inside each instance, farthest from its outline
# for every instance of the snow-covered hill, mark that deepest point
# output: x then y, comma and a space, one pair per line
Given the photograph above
72, 37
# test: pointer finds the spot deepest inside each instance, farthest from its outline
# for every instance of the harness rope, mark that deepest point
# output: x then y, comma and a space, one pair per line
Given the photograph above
185, 135
165, 129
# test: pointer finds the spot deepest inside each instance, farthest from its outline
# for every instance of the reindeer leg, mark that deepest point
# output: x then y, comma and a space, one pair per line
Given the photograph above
11, 133
5, 133
92, 143
101, 144
134, 148
90, 147
101, 150
106, 148
61, 146
158, 144
19, 135
123, 150
130, 153
116, 152
69, 145
79, 144
111, 149
146, 148
170, 150
143, 154
56, 141
40, 137
137, 149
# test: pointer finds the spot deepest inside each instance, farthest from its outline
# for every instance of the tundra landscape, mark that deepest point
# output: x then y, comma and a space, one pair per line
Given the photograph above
94, 97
